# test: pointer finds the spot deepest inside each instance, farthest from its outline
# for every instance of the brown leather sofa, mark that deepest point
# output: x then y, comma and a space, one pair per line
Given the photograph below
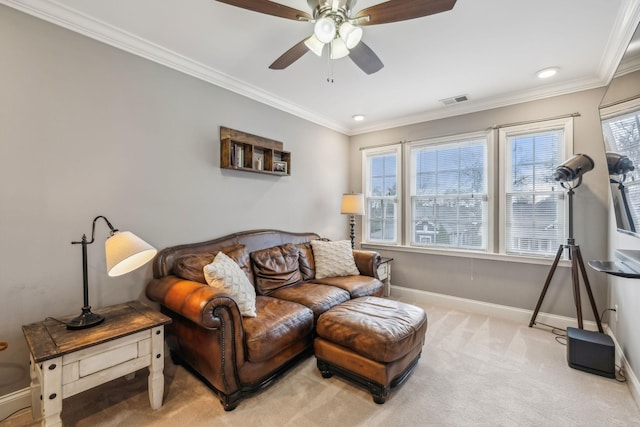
235, 355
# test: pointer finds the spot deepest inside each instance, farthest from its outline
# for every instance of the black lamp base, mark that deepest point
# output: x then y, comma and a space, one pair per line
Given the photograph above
86, 320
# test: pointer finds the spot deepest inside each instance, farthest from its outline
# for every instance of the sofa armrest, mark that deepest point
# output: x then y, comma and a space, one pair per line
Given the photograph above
192, 300
367, 262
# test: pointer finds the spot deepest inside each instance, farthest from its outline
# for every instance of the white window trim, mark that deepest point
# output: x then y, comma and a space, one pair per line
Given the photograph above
397, 149
564, 123
407, 200
548, 260
619, 109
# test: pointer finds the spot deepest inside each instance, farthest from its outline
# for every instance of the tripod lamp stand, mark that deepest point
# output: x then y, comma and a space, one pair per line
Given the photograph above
352, 204
567, 173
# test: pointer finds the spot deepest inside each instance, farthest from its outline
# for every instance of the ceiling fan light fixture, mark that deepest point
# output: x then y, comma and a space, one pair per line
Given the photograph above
338, 49
351, 34
325, 29
314, 45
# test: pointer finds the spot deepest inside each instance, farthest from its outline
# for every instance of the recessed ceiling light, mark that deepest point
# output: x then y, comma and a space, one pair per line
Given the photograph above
358, 117
547, 72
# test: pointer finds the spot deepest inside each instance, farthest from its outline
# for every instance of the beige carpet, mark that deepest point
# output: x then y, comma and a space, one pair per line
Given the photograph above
475, 370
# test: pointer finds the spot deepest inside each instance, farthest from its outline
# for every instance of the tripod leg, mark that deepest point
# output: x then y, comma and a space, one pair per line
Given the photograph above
576, 284
546, 285
588, 287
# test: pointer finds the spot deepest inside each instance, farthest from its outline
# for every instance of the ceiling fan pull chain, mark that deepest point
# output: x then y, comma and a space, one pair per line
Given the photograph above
329, 68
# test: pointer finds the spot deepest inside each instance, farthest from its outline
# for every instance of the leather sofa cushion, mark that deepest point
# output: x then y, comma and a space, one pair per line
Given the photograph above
357, 286
275, 267
318, 298
278, 325
379, 329
306, 261
190, 267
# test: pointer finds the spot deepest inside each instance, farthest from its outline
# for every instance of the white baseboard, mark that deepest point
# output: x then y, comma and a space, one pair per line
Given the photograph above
13, 402
621, 360
518, 315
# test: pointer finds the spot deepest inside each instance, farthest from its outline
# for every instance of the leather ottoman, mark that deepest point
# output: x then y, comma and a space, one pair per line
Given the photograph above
371, 341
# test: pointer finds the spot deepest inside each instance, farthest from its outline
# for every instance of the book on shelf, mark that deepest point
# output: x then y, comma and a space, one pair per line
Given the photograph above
238, 153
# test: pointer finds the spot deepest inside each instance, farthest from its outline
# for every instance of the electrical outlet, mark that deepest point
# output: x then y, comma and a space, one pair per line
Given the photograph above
615, 307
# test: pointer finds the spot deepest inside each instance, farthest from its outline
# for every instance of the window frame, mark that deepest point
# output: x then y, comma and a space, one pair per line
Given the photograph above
615, 113
566, 124
496, 206
366, 175
488, 138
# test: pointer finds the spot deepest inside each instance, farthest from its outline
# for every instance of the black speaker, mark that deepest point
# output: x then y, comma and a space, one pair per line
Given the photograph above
592, 352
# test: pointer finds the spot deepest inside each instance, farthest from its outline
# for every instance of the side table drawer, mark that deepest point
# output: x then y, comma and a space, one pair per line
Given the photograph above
86, 368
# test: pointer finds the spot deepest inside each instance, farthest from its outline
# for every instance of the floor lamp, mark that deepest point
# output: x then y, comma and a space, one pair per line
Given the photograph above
124, 251
568, 172
352, 204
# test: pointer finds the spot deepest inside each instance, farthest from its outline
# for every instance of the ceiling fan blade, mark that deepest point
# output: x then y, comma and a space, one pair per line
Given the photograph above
269, 8
365, 58
402, 10
290, 56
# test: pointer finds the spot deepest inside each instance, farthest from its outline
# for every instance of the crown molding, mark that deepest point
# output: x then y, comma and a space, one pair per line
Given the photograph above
58, 14
484, 105
63, 16
623, 29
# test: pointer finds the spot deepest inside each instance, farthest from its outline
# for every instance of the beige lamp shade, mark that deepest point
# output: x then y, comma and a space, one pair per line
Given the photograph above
125, 252
352, 204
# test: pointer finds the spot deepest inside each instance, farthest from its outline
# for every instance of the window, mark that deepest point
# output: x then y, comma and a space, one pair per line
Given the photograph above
621, 129
448, 193
532, 204
452, 200
382, 189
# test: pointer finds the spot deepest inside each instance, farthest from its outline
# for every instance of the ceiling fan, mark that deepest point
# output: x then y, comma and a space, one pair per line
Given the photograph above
337, 27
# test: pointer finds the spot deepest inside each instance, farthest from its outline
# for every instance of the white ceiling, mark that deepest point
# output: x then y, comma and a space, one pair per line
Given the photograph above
488, 50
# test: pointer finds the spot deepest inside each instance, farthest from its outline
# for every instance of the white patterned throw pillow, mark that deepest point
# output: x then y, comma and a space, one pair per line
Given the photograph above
225, 274
333, 259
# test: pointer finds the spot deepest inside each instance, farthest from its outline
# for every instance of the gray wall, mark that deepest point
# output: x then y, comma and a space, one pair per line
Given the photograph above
511, 283
625, 293
87, 130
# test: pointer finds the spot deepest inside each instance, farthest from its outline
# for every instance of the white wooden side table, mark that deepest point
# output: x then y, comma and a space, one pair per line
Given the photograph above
384, 274
66, 362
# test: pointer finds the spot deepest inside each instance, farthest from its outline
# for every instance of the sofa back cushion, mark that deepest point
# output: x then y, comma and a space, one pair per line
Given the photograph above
334, 259
306, 262
190, 266
275, 267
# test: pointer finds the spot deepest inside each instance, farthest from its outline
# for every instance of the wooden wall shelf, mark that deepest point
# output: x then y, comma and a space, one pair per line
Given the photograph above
251, 153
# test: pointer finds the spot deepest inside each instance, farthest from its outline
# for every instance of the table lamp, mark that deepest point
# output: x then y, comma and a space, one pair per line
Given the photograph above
352, 204
124, 252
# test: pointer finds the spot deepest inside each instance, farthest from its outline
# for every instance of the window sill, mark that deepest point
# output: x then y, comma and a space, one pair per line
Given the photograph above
467, 254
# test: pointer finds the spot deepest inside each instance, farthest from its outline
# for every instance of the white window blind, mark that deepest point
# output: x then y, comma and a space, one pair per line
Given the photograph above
534, 202
381, 193
449, 194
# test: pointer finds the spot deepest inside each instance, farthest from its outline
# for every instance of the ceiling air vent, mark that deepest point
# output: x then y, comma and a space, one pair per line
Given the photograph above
455, 100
